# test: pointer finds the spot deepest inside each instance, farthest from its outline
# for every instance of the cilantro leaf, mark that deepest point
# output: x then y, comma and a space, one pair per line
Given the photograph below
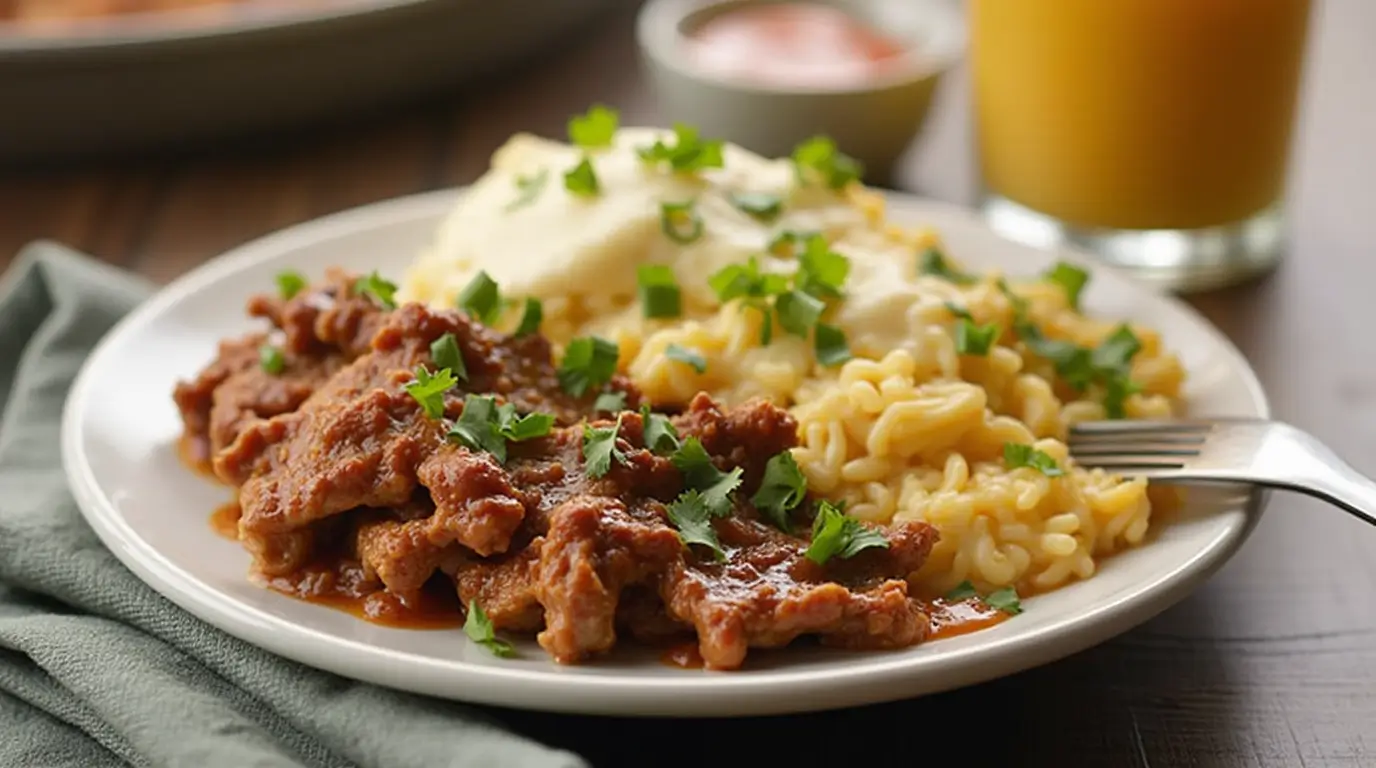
1117, 390
528, 188
1005, 600
599, 448
690, 357
688, 153
290, 282
428, 389
701, 474
589, 362
819, 158
933, 262
660, 435
660, 296
382, 290
960, 312
1017, 455
1115, 353
781, 490
963, 591
481, 299
595, 128
582, 179
518, 428
799, 312
476, 427
444, 352
835, 535
1072, 280
680, 222
271, 359
760, 205
974, 339
821, 271
479, 629
610, 402
532, 314
691, 516
829, 342
736, 280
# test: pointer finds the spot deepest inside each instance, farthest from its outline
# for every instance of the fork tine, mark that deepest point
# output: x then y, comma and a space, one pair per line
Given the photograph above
1130, 440
1117, 448
1186, 426
1125, 462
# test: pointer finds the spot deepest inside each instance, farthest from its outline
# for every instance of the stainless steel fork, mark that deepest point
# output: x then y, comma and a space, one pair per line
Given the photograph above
1248, 451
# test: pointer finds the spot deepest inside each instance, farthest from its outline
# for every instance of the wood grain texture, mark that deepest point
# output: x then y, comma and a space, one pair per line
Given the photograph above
1272, 663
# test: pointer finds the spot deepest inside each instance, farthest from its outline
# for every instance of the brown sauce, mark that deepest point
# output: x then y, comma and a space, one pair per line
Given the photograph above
346, 589
225, 520
194, 453
961, 617
683, 655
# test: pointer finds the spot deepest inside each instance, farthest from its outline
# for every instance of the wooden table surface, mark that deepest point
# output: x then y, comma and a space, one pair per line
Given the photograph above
1272, 663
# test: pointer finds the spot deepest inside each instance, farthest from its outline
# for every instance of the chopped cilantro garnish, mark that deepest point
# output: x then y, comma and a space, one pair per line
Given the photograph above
692, 517
834, 534
599, 448
428, 389
933, 262
1005, 600
690, 357
761, 205
660, 435
610, 402
532, 314
974, 339
1109, 365
594, 128
1117, 390
271, 359
373, 285
290, 282
444, 352
781, 490
486, 426
701, 475
829, 342
799, 312
589, 362
963, 591
818, 158
688, 153
581, 179
1116, 352
959, 311
528, 188
1072, 280
479, 629
737, 280
1017, 455
481, 299
659, 292
680, 221
821, 271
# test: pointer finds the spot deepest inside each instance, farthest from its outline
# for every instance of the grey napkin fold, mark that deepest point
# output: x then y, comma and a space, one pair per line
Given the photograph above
98, 669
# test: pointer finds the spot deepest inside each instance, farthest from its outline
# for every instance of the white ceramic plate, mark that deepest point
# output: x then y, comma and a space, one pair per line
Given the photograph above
120, 429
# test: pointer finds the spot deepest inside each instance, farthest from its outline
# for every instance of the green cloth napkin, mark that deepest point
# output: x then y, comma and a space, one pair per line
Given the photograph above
98, 669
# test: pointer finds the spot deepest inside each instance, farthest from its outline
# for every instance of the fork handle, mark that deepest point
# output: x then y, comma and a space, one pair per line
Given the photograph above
1334, 480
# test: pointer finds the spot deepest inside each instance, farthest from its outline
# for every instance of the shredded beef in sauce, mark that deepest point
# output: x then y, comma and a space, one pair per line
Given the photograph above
347, 486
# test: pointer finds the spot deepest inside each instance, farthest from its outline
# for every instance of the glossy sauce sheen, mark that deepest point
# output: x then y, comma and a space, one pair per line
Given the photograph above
798, 44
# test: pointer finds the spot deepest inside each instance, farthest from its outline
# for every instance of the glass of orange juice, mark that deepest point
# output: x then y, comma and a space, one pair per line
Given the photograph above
1153, 133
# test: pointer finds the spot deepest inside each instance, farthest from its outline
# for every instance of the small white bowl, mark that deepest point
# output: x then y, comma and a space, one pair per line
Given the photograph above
873, 120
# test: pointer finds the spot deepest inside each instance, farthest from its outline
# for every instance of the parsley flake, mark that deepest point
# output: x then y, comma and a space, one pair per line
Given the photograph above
660, 296
271, 359
290, 282
963, 591
821, 271
481, 299
799, 312
528, 188
760, 205
835, 535
582, 179
479, 629
532, 314
781, 490
1017, 455
933, 262
599, 448
959, 311
974, 339
690, 357
818, 158
660, 435
594, 128
688, 153
1072, 280
829, 342
692, 517
610, 402
589, 362
701, 474
486, 426
1005, 600
680, 222
428, 389
746, 280
445, 353
382, 290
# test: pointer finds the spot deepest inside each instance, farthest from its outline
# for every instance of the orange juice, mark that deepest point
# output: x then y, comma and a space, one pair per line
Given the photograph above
1137, 114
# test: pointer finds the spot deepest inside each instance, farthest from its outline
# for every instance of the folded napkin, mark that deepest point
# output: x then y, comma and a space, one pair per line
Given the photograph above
98, 669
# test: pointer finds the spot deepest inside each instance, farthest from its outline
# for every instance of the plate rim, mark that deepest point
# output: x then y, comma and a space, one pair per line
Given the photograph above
520, 687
